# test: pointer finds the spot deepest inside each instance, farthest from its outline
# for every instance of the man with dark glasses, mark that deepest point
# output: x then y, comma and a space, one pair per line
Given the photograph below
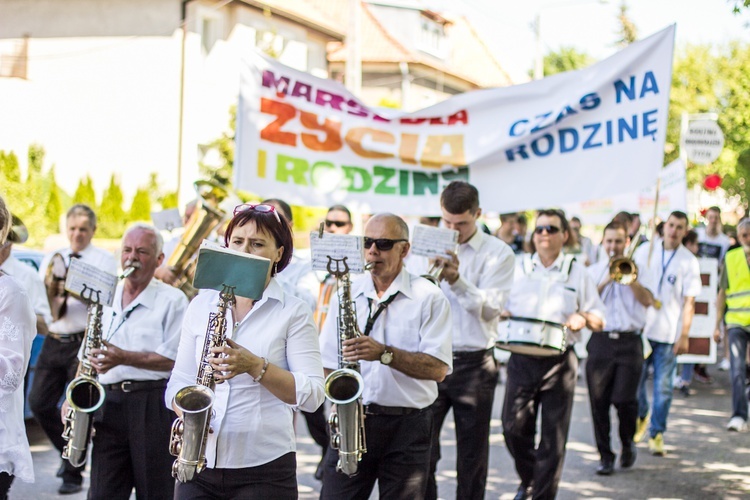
554, 289
476, 281
404, 351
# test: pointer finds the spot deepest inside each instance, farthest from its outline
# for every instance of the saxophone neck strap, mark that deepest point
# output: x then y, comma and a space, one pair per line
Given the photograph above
372, 317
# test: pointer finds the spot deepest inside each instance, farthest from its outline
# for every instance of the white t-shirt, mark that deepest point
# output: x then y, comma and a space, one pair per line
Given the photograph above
30, 281
712, 246
676, 275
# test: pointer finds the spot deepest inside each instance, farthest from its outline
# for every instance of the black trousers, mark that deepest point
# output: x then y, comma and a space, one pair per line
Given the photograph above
613, 370
5, 481
318, 427
275, 480
398, 458
535, 382
131, 447
470, 391
55, 367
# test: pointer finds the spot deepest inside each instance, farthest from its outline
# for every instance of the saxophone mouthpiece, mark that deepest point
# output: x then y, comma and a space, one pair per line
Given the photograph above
369, 266
130, 267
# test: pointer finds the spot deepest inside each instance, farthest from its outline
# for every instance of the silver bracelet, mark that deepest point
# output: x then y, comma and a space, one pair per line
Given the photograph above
263, 371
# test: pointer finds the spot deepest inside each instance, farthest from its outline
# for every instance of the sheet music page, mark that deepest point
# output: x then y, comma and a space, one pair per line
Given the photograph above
432, 242
90, 283
167, 220
337, 246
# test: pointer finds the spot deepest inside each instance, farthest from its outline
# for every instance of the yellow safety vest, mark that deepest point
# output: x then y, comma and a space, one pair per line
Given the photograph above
738, 289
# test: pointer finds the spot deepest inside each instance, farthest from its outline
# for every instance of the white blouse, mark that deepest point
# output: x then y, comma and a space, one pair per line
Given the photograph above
17, 331
252, 426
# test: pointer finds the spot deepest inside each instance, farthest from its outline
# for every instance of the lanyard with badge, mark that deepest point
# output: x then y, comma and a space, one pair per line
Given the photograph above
664, 267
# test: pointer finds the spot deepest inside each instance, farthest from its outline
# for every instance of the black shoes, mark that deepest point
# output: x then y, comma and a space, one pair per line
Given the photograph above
629, 452
68, 488
319, 471
606, 466
523, 492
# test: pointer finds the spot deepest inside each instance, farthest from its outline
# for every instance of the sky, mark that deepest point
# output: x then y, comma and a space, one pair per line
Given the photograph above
591, 25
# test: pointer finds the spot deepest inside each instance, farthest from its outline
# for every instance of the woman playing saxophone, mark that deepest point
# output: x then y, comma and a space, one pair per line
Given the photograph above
269, 366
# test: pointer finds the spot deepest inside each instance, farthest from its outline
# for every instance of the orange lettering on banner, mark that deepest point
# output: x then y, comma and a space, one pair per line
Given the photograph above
408, 150
284, 112
433, 156
354, 139
331, 128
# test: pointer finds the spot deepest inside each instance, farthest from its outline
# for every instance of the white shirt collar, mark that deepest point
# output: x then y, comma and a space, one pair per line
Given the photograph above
402, 283
556, 265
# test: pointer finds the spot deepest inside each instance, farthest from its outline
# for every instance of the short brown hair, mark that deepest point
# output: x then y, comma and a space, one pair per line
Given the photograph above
459, 197
85, 210
554, 212
266, 222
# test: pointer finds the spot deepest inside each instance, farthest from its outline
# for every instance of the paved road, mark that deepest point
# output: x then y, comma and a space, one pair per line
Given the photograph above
703, 461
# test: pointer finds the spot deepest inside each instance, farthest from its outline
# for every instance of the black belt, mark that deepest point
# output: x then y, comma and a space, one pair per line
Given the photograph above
391, 411
66, 338
136, 385
471, 354
616, 335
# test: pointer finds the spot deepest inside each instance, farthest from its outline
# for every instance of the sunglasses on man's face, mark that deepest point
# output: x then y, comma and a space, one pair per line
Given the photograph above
382, 244
549, 229
337, 223
262, 208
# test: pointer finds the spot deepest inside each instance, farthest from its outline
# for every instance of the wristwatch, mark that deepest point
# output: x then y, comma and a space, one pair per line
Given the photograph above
386, 357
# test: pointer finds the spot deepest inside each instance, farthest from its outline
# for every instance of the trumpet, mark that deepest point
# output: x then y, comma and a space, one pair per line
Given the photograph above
623, 270
433, 275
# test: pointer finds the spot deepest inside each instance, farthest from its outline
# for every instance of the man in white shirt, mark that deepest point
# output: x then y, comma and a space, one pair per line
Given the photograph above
57, 362
405, 350
140, 335
712, 242
553, 288
476, 281
613, 367
677, 282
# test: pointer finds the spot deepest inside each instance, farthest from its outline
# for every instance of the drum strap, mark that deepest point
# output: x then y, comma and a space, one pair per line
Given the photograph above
562, 275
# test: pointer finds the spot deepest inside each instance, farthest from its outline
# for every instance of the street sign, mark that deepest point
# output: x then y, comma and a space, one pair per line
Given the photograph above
703, 141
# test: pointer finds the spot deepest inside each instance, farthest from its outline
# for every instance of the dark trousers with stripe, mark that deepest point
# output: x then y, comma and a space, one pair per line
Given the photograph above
470, 391
613, 370
131, 447
535, 382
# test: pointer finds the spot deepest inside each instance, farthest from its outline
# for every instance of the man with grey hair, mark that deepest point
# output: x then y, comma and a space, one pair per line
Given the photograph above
140, 335
57, 362
734, 300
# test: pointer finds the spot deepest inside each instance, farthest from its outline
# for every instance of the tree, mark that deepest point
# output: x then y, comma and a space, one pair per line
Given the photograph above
566, 59
36, 160
739, 4
708, 79
111, 214
140, 208
10, 171
627, 33
85, 192
53, 210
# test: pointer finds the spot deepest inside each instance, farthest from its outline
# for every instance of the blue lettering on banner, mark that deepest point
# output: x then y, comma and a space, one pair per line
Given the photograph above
544, 120
648, 85
588, 136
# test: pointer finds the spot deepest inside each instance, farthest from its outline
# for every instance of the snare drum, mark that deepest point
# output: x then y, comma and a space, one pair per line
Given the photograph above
533, 337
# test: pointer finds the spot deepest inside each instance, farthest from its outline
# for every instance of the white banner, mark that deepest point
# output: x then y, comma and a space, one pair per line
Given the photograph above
571, 137
672, 196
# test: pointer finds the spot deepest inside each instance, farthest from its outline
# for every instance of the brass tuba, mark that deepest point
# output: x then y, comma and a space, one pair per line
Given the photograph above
205, 218
190, 431
344, 386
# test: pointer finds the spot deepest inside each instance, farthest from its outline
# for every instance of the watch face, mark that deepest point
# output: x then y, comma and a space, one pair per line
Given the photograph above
386, 357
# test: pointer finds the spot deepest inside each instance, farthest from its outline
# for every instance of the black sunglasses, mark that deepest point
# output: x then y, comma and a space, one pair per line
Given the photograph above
337, 223
549, 229
382, 244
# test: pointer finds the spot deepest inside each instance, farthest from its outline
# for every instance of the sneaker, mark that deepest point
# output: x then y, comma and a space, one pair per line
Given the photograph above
685, 390
656, 445
641, 426
724, 365
701, 375
737, 424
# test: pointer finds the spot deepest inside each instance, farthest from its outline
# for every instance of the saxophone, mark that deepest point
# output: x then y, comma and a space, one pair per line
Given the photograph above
190, 431
344, 386
85, 394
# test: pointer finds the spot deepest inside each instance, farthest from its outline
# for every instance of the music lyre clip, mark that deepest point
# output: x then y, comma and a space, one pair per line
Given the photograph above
90, 298
339, 262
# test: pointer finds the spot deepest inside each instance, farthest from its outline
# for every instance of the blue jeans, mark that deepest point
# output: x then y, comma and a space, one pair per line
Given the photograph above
665, 363
687, 373
737, 362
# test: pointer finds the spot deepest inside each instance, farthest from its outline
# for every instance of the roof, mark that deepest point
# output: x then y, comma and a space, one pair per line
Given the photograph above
302, 12
470, 58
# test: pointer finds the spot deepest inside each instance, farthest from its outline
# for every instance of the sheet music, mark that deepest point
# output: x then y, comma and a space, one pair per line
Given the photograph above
432, 242
167, 220
337, 246
90, 283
